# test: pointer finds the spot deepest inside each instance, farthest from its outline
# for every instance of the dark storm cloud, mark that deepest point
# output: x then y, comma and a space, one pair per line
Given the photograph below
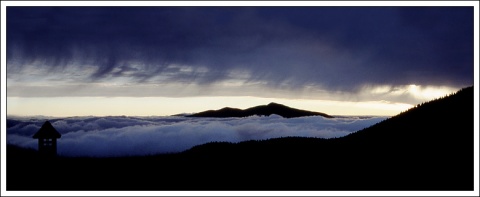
334, 47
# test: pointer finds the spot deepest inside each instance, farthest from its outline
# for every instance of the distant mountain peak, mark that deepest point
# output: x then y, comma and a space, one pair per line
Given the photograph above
261, 110
275, 104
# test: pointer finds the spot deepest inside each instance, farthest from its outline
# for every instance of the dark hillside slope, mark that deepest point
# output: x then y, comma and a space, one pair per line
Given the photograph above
449, 115
429, 147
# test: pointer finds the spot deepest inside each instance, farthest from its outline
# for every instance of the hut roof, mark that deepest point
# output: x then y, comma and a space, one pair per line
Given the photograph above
47, 131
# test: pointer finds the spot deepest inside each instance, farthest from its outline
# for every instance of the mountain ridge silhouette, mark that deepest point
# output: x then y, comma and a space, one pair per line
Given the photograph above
261, 110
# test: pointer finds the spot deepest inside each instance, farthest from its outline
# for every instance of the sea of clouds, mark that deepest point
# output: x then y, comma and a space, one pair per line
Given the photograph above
127, 136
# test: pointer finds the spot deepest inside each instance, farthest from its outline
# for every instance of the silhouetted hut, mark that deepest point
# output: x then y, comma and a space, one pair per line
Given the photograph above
47, 139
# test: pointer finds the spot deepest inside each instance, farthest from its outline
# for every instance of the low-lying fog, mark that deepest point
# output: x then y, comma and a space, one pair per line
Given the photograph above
124, 136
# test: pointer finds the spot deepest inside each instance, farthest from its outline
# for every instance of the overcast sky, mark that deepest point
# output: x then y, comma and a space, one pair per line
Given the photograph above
390, 55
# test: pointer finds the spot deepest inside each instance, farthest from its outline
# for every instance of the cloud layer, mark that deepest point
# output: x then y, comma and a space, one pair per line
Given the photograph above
335, 48
122, 136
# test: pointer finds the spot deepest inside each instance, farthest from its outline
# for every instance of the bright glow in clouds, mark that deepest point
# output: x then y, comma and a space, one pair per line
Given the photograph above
413, 94
163, 106
423, 92
428, 92
121, 136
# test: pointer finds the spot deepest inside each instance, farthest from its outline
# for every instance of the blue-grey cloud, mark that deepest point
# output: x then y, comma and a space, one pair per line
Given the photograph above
332, 47
121, 136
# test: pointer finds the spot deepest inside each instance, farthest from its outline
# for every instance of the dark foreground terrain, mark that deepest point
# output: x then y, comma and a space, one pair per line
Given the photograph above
429, 147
